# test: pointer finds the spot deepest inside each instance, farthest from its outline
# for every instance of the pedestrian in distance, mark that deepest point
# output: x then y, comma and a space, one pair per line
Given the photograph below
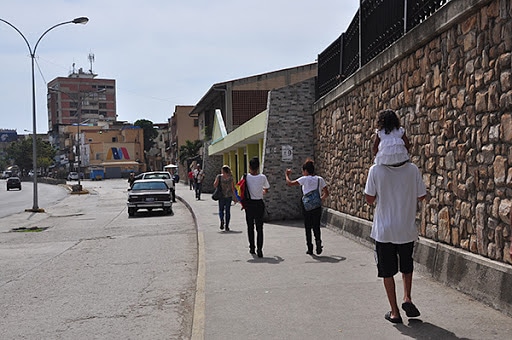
227, 187
395, 189
309, 181
198, 181
131, 179
191, 179
257, 185
391, 145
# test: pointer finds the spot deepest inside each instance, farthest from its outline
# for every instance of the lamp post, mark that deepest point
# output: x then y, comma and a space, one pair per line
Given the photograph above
80, 20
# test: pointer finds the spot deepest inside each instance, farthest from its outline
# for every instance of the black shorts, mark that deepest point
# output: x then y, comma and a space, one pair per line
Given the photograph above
389, 255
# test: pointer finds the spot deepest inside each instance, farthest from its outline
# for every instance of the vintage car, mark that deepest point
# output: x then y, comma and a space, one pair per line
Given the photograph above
166, 176
149, 194
13, 182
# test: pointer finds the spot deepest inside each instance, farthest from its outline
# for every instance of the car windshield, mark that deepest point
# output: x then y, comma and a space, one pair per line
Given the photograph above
149, 186
158, 176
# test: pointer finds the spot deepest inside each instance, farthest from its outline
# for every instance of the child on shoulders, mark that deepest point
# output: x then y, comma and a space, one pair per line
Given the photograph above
391, 145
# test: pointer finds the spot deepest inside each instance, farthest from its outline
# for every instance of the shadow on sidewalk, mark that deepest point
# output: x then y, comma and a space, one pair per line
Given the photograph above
418, 329
328, 259
269, 260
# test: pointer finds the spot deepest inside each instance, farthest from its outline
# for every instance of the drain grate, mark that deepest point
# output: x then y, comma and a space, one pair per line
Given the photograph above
28, 230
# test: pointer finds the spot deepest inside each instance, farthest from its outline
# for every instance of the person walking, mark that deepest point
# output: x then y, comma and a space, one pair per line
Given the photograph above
131, 179
227, 186
198, 181
309, 182
191, 179
257, 185
395, 189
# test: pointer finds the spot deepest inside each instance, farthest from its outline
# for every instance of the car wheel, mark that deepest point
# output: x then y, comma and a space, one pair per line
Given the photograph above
131, 211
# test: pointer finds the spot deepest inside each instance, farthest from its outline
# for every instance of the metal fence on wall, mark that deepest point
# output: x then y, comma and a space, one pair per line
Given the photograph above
376, 25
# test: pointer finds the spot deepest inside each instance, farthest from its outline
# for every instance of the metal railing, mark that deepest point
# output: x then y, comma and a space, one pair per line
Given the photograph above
376, 25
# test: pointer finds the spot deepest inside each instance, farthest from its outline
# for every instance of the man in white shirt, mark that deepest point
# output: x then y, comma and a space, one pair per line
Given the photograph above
395, 190
198, 180
258, 185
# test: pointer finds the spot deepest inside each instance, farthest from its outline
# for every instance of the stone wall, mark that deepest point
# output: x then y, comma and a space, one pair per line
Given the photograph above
450, 82
289, 130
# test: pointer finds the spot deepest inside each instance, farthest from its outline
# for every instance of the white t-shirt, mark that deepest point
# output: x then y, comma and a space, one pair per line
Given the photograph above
256, 184
397, 190
310, 183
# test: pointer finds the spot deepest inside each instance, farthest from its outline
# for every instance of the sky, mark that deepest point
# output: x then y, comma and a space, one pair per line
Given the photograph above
162, 53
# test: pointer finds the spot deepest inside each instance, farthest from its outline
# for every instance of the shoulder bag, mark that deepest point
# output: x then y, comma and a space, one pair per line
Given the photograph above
217, 193
312, 199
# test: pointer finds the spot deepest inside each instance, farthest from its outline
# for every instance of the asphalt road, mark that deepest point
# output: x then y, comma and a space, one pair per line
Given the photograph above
95, 273
15, 201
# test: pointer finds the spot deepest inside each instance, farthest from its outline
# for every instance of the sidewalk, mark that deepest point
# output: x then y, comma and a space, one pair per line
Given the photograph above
290, 295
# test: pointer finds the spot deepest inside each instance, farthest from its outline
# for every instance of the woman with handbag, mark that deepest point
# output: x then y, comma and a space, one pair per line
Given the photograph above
225, 183
314, 190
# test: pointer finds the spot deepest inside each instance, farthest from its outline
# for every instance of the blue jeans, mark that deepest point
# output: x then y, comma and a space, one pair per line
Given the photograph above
199, 189
225, 206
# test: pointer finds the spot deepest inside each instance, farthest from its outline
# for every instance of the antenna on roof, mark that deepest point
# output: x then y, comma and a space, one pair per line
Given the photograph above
91, 60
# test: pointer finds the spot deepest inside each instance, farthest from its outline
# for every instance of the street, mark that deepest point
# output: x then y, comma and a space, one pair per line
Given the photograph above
94, 272
15, 201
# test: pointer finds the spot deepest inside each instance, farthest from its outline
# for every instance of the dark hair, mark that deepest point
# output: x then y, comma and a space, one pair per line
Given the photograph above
388, 120
254, 163
226, 169
309, 166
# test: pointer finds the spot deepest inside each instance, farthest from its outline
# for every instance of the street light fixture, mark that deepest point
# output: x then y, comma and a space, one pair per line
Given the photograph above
80, 20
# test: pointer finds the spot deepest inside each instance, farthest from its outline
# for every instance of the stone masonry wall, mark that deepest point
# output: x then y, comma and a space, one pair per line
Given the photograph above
289, 128
453, 93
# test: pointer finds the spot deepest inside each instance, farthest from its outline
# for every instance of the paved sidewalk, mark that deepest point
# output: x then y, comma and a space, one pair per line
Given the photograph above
290, 295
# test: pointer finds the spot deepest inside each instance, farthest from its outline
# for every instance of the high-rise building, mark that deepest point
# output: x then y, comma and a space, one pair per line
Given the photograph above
80, 98
74, 102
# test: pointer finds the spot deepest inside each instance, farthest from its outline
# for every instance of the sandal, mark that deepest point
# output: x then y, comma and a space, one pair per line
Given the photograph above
393, 320
410, 310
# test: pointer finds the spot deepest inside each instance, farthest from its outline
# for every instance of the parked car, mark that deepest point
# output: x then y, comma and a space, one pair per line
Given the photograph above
162, 175
13, 182
149, 194
73, 176
6, 174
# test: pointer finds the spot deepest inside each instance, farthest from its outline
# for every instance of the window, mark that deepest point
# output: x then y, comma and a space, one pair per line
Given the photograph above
196, 122
103, 105
114, 139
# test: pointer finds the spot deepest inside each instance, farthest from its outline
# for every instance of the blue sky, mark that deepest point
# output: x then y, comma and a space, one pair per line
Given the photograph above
162, 53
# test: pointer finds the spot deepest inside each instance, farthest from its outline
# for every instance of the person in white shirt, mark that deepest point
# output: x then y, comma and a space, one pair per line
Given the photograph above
198, 181
309, 182
257, 185
395, 189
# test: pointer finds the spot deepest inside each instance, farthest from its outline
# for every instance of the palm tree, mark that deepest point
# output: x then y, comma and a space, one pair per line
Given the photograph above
189, 150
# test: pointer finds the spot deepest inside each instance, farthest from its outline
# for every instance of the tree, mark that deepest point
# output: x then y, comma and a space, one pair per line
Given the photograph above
21, 152
150, 132
189, 150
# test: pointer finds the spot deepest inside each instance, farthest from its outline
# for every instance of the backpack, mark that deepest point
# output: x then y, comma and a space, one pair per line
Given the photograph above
242, 192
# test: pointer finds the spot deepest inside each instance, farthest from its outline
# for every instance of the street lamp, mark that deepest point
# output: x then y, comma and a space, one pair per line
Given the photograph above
80, 20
